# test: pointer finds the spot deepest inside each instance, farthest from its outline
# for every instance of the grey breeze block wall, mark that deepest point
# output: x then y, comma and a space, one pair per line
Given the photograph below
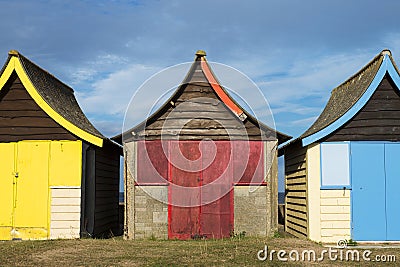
256, 207
145, 216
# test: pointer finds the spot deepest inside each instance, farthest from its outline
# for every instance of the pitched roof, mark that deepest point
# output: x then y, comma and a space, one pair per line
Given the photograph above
200, 72
348, 95
53, 96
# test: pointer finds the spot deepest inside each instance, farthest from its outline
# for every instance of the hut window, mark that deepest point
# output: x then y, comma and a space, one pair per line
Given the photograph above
335, 171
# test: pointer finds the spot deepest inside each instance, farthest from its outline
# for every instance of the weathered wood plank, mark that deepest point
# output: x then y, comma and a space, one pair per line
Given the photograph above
297, 213
296, 181
293, 160
298, 230
296, 194
22, 130
376, 122
27, 122
291, 154
296, 201
296, 174
297, 220
295, 167
297, 187
296, 208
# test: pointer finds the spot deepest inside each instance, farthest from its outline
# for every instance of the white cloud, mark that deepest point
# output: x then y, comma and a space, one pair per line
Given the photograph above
313, 79
90, 70
111, 95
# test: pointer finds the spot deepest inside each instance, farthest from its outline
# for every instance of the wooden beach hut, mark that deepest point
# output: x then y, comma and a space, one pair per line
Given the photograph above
342, 174
59, 176
200, 166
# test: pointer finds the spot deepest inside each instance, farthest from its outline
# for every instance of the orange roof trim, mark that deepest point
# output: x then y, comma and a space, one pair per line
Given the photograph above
218, 89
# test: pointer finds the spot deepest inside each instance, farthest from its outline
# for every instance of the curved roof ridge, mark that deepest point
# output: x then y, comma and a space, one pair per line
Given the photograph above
363, 69
219, 90
18, 54
239, 111
198, 65
344, 96
55, 97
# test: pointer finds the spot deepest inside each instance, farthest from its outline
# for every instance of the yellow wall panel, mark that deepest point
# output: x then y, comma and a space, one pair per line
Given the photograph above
31, 211
27, 170
6, 189
65, 163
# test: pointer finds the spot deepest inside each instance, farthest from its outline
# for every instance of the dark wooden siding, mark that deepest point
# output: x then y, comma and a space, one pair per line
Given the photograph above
378, 120
22, 119
106, 214
296, 190
197, 113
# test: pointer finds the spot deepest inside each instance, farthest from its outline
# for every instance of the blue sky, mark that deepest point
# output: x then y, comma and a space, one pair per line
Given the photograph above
295, 51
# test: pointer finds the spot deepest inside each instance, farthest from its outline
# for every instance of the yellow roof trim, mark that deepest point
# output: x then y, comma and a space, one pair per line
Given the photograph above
15, 64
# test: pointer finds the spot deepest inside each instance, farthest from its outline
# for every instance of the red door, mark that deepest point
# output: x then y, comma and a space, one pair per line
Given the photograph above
184, 190
216, 218
200, 193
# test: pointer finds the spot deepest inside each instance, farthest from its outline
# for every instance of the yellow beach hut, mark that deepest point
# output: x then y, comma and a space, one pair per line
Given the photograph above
59, 176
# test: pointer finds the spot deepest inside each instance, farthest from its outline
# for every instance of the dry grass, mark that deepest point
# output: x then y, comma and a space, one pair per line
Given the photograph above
119, 252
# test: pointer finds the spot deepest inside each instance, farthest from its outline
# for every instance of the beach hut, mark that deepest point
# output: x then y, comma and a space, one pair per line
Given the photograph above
342, 174
200, 166
59, 176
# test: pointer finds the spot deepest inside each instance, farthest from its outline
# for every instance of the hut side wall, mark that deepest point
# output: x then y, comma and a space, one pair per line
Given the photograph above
271, 157
151, 215
129, 189
259, 203
51, 169
106, 191
250, 205
313, 192
296, 190
65, 172
335, 215
144, 216
65, 212
328, 209
378, 120
23, 119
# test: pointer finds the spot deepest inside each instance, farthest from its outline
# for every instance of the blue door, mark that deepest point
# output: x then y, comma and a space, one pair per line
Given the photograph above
375, 174
368, 192
392, 167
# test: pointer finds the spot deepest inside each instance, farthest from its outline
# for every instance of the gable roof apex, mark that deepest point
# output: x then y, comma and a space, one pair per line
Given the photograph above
201, 53
350, 96
386, 52
13, 53
200, 67
53, 96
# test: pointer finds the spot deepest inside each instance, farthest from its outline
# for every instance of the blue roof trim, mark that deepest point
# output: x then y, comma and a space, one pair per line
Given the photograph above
386, 66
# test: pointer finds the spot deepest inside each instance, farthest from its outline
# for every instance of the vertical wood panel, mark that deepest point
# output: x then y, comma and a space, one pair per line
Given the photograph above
106, 190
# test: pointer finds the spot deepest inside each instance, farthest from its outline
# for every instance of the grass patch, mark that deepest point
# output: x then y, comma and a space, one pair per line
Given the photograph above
153, 252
